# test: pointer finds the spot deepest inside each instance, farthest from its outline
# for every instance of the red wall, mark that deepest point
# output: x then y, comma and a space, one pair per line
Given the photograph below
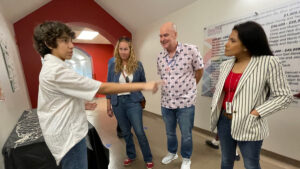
100, 55
81, 12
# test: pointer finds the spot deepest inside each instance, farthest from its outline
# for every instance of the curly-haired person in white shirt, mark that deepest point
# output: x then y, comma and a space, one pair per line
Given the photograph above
62, 93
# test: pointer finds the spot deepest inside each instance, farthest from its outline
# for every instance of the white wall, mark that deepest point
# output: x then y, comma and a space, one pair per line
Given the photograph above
284, 138
15, 103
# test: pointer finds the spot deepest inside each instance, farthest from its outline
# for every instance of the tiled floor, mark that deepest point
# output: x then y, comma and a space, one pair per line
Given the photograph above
203, 157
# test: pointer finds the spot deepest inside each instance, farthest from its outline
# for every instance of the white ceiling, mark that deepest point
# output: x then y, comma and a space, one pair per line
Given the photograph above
17, 9
133, 14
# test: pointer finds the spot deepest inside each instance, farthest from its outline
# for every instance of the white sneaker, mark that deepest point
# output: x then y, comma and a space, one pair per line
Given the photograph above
168, 158
215, 142
186, 163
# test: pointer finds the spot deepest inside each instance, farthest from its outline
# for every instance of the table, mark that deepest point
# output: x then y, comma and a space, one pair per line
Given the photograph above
25, 147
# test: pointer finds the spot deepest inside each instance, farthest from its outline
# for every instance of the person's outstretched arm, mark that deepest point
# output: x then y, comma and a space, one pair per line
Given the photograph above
113, 88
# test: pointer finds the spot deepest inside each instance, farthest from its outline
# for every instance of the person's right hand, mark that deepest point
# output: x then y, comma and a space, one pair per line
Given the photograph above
153, 86
90, 106
110, 113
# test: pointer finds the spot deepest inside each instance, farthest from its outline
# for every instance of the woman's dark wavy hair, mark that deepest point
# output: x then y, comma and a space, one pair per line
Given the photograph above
47, 33
254, 38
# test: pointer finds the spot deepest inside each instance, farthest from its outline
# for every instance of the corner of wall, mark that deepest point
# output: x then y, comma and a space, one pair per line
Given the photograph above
15, 102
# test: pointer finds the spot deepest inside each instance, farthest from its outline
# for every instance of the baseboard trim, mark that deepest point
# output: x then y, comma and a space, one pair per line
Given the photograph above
264, 152
281, 158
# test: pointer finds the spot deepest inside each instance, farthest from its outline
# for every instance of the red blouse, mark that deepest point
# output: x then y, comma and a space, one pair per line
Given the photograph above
230, 86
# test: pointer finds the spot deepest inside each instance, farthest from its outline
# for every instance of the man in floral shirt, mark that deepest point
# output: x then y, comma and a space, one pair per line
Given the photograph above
180, 67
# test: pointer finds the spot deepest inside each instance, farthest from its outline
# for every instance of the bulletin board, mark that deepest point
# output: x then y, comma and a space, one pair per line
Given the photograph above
282, 26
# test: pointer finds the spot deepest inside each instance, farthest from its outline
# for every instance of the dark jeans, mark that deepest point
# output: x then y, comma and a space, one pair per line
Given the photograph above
129, 114
76, 158
250, 149
185, 119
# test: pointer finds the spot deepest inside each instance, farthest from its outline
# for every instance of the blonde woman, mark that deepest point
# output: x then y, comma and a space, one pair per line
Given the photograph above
126, 106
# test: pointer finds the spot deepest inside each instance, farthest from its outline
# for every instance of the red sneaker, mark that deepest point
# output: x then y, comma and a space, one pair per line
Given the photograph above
149, 165
128, 161
297, 95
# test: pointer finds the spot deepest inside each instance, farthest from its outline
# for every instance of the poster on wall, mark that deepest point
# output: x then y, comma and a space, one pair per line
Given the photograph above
282, 26
8, 62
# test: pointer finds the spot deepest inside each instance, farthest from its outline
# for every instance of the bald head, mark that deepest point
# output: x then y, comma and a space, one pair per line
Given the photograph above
169, 26
168, 36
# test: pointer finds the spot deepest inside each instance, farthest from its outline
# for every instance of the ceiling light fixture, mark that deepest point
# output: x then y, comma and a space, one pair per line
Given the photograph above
87, 35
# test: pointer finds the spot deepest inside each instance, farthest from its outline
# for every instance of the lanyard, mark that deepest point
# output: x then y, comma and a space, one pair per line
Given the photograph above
228, 105
229, 90
235, 82
171, 61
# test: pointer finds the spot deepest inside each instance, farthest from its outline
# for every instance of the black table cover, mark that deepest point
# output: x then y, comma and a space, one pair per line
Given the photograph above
25, 148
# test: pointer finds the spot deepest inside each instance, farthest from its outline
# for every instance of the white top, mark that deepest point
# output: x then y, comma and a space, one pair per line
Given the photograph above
122, 80
61, 106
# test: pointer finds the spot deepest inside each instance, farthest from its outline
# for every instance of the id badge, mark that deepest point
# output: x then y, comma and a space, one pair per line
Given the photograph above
228, 107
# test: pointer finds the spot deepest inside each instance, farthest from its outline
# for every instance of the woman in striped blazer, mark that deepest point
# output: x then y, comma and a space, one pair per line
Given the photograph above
251, 86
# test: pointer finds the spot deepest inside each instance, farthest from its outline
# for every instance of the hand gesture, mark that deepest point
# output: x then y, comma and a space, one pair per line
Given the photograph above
110, 113
90, 106
153, 86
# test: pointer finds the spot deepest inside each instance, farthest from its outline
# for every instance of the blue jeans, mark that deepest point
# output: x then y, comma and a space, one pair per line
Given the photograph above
250, 149
129, 114
185, 119
76, 158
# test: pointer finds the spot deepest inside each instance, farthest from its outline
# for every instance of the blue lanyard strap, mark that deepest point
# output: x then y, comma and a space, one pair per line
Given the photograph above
171, 61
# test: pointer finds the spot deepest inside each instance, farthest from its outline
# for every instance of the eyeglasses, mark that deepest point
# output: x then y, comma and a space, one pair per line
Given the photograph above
127, 79
125, 38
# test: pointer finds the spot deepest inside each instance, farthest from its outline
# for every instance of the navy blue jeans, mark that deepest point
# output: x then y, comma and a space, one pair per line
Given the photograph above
76, 158
129, 114
250, 149
185, 119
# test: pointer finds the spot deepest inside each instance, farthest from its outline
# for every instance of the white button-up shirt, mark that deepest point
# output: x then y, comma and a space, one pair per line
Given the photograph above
61, 105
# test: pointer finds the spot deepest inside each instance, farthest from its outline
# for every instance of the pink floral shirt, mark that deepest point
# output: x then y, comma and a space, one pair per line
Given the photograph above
178, 73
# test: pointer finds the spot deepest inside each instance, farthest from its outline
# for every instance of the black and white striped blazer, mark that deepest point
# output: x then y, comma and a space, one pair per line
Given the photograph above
263, 74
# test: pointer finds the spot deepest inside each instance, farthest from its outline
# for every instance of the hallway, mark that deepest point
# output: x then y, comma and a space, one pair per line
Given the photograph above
203, 157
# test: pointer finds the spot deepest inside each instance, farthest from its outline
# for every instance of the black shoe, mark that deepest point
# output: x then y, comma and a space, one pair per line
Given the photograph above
210, 144
119, 134
237, 157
